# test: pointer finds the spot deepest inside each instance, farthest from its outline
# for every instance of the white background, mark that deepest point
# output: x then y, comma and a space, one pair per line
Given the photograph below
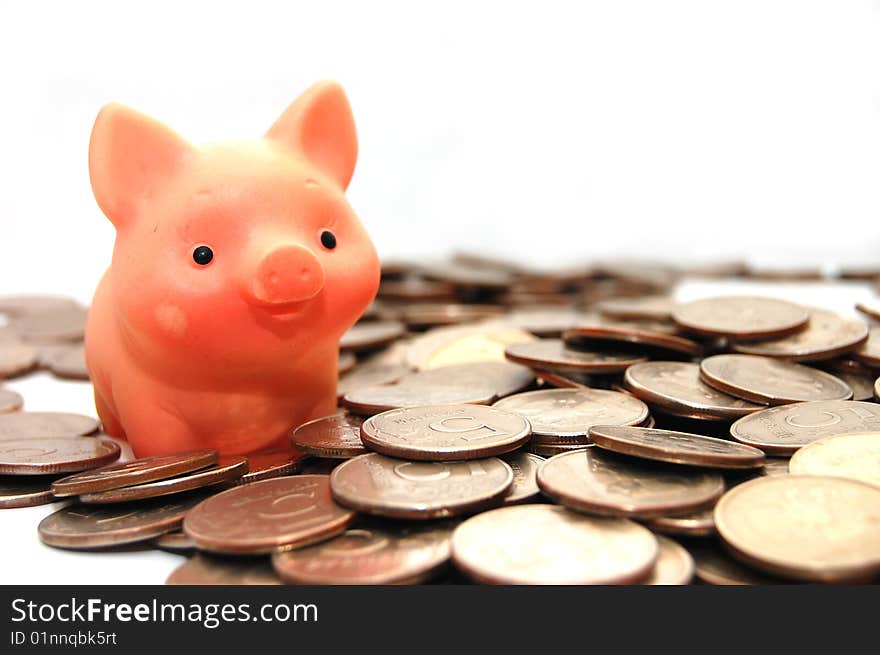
547, 131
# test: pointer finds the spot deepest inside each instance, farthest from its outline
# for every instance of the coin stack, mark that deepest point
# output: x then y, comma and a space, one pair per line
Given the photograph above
507, 426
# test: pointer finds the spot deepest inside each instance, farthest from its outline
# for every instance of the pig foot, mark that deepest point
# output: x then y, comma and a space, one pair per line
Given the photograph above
110, 423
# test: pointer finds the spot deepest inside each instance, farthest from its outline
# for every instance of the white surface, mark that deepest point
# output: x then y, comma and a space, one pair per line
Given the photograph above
27, 561
546, 131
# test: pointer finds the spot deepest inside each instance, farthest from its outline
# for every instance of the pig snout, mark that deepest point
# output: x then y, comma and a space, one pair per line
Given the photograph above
286, 274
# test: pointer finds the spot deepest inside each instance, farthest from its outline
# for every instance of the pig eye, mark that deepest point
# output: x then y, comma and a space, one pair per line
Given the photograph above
328, 239
203, 255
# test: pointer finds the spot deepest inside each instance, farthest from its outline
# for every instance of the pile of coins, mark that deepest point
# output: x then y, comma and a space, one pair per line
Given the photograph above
505, 426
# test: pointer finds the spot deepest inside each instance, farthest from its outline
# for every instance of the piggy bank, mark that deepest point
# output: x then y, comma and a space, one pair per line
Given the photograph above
236, 269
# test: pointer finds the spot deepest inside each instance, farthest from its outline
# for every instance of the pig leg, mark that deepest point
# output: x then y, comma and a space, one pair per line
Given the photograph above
109, 421
153, 429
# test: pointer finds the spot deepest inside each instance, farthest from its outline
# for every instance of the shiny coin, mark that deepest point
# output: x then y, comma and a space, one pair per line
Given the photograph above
674, 566
368, 335
862, 385
572, 412
175, 542
380, 485
272, 464
741, 317
262, 516
137, 471
445, 432
10, 401
20, 425
827, 335
374, 400
855, 456
99, 526
716, 567
676, 447
699, 524
68, 362
49, 455
554, 355
598, 482
371, 554
675, 388
783, 430
804, 527
464, 344
625, 338
770, 381
525, 477
16, 358
60, 325
558, 381
337, 436
204, 569
231, 468
543, 544
17, 491
655, 308
504, 378
869, 353
370, 376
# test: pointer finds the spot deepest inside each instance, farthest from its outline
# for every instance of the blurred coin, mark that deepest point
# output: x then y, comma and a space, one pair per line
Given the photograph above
869, 353
35, 304
770, 381
855, 456
545, 321
462, 344
558, 381
871, 311
58, 325
655, 308
68, 362
676, 388
783, 430
48, 455
600, 337
543, 544
716, 567
10, 401
370, 376
337, 436
445, 432
396, 488
551, 449
19, 425
414, 288
374, 400
741, 317
504, 378
19, 491
230, 469
259, 517
272, 464
387, 553
804, 527
572, 412
827, 335
776, 466
136, 471
599, 482
676, 447
175, 542
698, 524
525, 481
555, 355
201, 569
368, 335
346, 362
674, 566
16, 358
424, 315
465, 276
99, 526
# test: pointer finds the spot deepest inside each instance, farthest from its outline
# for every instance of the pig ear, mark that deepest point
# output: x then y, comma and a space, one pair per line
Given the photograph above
130, 155
319, 124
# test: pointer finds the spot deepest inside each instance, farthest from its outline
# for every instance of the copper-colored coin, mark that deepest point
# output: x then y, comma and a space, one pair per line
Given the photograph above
862, 385
59, 325
558, 381
20, 425
337, 436
414, 288
716, 567
741, 317
136, 471
319, 466
572, 412
346, 362
555, 355
68, 362
49, 455
17, 491
871, 311
782, 430
827, 335
776, 466
504, 378
35, 304
869, 353
445, 432
387, 553
272, 464
770, 381
201, 569
805, 527
380, 485
462, 344
545, 321
624, 338
99, 526
676, 388
550, 449
262, 516
10, 401
855, 456
368, 335
543, 544
370, 376
230, 469
676, 447
674, 566
525, 477
176, 542
425, 315
699, 524
16, 358
655, 308
599, 482
374, 400
466, 276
